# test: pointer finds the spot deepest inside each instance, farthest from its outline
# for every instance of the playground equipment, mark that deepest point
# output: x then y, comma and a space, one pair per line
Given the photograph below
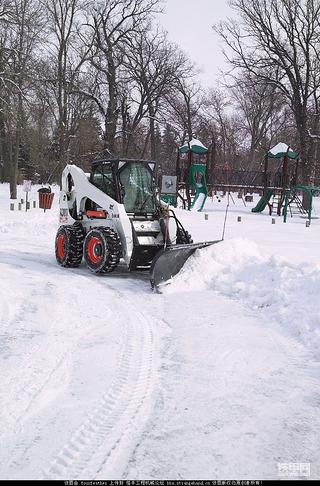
263, 202
192, 186
197, 182
311, 191
278, 182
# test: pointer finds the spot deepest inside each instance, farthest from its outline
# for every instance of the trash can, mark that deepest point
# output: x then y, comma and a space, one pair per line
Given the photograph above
45, 198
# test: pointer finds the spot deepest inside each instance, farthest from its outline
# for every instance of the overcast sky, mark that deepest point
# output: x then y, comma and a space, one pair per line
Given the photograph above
189, 24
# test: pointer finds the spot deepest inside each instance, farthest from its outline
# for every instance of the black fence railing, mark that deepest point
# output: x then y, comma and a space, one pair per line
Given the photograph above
237, 178
222, 177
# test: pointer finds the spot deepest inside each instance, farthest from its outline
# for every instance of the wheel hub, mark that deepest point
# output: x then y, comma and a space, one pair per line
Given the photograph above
95, 249
61, 246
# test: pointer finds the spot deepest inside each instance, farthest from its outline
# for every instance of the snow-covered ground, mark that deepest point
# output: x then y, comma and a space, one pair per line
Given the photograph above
218, 377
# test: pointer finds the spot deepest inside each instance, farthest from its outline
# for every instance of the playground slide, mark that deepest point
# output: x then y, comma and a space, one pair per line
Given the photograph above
262, 203
199, 200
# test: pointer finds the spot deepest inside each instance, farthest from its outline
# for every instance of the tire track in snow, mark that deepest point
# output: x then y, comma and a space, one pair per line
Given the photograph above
101, 446
26, 382
4, 308
5, 337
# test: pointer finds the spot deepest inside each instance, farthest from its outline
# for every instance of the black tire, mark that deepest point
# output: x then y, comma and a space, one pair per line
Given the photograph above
183, 237
69, 245
102, 250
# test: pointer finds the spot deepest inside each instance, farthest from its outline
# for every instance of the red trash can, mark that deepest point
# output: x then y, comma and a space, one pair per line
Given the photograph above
45, 198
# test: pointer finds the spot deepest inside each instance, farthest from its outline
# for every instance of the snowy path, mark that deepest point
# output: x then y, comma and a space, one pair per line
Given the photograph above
237, 397
80, 364
100, 447
219, 377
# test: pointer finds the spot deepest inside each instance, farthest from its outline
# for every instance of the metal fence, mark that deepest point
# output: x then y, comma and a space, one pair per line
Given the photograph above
221, 177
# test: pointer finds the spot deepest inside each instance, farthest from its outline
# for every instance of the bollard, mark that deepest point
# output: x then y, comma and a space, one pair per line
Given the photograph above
307, 223
206, 216
11, 206
239, 219
34, 204
273, 221
19, 206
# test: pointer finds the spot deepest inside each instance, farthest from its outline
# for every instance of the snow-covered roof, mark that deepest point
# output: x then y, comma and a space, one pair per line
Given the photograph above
280, 150
195, 146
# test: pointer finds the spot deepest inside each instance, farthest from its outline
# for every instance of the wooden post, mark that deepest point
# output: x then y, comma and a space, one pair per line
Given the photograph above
178, 166
285, 182
285, 172
265, 177
188, 178
295, 179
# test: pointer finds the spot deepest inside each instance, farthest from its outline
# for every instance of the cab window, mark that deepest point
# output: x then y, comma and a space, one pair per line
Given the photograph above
102, 178
136, 184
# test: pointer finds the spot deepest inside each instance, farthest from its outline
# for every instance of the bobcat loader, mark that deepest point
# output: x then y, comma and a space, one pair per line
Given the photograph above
113, 213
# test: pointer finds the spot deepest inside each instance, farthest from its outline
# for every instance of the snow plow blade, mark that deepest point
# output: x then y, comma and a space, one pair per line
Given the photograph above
168, 262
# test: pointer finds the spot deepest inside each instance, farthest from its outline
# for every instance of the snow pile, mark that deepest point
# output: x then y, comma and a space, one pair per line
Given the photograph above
286, 294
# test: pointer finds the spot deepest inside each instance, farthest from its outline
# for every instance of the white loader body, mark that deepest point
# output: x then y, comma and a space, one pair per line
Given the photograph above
77, 190
113, 213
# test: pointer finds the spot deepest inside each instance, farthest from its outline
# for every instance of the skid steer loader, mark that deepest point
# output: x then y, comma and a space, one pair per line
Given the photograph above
113, 213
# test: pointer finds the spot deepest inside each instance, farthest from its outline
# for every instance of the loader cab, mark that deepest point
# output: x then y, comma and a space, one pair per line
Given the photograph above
129, 182
103, 177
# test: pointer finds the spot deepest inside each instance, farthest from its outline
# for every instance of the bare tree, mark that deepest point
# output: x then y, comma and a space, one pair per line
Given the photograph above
69, 50
113, 22
277, 41
153, 65
184, 104
20, 42
260, 107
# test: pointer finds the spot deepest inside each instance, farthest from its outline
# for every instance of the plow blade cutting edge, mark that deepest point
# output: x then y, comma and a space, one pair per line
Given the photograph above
168, 262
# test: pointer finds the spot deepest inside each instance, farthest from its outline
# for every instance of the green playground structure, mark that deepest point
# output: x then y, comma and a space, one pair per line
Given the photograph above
192, 185
263, 202
197, 179
291, 194
282, 177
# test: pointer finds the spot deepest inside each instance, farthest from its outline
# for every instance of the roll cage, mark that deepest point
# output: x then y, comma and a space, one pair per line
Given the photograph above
119, 178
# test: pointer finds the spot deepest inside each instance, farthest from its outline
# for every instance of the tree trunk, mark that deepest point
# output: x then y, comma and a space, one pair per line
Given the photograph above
15, 166
305, 163
124, 117
15, 161
111, 113
153, 149
3, 151
62, 150
212, 161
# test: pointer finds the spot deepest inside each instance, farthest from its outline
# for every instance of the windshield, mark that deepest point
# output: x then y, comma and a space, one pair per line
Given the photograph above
136, 181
